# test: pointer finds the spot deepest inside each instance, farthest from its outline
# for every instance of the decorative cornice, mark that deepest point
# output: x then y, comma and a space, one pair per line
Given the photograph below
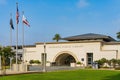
85, 41
111, 43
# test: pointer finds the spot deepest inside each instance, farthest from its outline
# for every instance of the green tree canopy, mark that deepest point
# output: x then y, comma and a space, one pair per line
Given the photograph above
118, 35
5, 53
57, 37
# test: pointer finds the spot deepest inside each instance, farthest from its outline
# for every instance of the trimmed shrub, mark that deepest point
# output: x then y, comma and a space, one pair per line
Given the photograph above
34, 61
102, 61
78, 63
31, 61
113, 62
37, 62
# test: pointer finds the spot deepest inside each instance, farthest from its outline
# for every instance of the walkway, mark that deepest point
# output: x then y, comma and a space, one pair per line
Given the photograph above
52, 68
39, 69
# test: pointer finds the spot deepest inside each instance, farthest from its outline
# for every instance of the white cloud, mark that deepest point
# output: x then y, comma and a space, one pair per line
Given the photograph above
2, 2
82, 3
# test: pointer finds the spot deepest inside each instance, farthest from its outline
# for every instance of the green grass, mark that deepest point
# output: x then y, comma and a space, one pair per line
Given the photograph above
68, 75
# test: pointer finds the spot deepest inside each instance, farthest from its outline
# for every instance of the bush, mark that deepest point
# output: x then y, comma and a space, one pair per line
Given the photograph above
118, 62
34, 61
102, 61
31, 61
37, 61
78, 62
112, 62
88, 67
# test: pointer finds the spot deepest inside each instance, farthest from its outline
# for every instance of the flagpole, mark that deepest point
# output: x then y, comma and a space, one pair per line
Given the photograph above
16, 39
10, 37
24, 21
23, 38
16, 43
10, 32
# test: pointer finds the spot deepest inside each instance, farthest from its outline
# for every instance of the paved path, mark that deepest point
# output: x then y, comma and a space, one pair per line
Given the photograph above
39, 69
52, 68
18, 72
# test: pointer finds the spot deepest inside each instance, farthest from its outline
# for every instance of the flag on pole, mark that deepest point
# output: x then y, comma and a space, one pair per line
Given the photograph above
17, 15
11, 23
24, 20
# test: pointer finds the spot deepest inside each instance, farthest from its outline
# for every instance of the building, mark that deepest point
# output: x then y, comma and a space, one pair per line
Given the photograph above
85, 48
20, 51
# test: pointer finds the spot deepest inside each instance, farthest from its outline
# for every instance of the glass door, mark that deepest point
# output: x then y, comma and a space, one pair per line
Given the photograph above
89, 58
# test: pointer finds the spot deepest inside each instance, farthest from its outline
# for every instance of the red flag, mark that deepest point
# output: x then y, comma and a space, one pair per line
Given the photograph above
17, 15
24, 20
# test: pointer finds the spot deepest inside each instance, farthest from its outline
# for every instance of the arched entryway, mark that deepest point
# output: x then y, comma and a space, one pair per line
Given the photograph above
64, 59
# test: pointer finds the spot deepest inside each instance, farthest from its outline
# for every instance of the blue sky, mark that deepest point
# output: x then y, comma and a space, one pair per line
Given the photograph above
65, 17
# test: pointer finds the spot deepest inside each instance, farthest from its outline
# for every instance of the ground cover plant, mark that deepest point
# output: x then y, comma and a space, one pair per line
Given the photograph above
68, 75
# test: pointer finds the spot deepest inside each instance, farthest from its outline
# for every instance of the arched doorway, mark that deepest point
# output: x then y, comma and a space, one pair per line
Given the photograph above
64, 59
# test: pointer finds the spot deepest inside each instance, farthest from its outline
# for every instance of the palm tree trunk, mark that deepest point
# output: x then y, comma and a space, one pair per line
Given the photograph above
3, 66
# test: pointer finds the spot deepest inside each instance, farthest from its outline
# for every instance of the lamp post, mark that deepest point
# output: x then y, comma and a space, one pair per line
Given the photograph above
44, 58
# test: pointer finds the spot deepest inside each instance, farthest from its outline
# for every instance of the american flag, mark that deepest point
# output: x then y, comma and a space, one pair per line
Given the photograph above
17, 15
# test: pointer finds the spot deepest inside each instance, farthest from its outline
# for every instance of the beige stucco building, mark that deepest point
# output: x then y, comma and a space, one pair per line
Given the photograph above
84, 48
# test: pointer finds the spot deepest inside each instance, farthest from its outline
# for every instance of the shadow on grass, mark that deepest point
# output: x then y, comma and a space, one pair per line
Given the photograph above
114, 77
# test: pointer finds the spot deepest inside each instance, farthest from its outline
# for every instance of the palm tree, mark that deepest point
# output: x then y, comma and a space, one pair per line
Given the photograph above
5, 53
57, 37
118, 35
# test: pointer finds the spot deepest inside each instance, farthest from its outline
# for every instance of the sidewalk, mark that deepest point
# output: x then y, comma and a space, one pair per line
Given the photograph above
9, 72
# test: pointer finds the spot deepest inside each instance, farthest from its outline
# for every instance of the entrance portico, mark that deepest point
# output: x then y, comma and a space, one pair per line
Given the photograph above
65, 58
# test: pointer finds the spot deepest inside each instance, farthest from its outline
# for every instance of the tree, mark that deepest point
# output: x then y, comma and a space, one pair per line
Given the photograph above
5, 53
114, 62
102, 61
118, 35
57, 37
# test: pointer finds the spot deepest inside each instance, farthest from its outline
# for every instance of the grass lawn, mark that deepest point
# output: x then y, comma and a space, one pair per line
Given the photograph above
68, 75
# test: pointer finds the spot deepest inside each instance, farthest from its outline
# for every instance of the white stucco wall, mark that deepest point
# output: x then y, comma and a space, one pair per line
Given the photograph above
77, 49
112, 47
31, 54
